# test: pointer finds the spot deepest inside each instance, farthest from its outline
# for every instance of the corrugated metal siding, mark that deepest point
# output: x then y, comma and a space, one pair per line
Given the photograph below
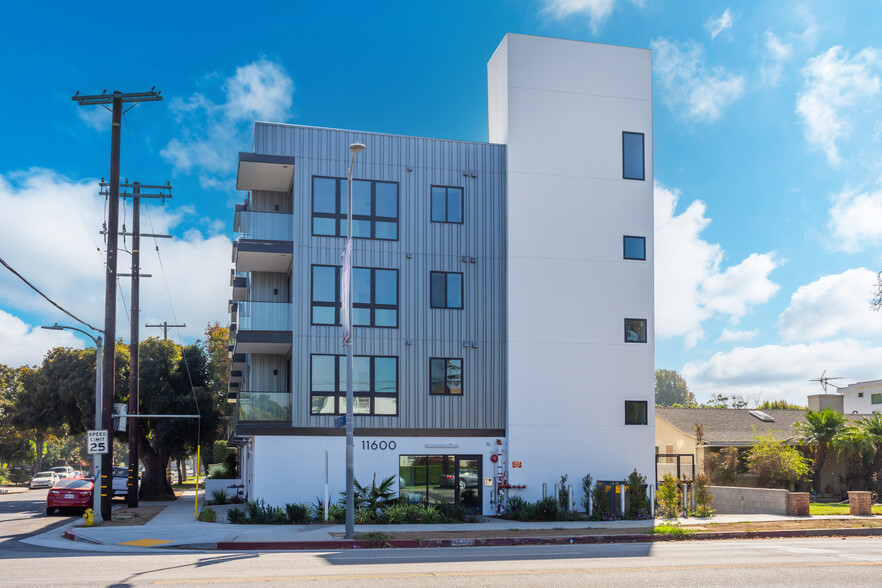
263, 201
416, 164
261, 378
268, 287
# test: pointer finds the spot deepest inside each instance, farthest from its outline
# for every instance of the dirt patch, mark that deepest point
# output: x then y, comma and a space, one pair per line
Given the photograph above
787, 525
128, 517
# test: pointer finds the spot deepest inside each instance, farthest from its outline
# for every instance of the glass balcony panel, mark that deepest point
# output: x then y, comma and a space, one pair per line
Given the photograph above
264, 316
264, 406
270, 226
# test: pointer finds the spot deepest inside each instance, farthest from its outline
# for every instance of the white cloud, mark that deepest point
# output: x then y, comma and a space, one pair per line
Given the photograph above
210, 132
729, 334
856, 221
774, 372
688, 86
597, 11
690, 286
49, 234
715, 26
834, 83
834, 305
776, 53
97, 119
23, 344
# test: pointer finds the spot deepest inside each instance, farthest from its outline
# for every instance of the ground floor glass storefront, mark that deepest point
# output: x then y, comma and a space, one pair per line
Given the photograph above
441, 479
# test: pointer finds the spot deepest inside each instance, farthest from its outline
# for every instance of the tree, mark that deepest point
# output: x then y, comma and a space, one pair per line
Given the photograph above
16, 446
872, 427
779, 405
670, 389
215, 347
174, 381
853, 442
776, 464
817, 431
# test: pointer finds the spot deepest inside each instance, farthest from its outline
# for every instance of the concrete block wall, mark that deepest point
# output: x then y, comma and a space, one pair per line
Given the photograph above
733, 500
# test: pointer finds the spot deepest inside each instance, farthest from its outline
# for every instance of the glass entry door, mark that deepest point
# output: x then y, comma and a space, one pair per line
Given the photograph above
441, 479
468, 469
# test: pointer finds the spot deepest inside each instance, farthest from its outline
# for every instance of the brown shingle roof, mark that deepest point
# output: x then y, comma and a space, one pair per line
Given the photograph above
731, 426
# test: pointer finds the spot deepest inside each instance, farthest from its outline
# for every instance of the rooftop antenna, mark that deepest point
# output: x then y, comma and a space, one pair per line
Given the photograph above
824, 380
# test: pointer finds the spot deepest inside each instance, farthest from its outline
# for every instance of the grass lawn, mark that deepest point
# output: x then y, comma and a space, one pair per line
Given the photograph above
836, 508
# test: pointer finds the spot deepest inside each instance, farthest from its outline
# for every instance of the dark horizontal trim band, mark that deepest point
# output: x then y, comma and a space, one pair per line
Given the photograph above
276, 429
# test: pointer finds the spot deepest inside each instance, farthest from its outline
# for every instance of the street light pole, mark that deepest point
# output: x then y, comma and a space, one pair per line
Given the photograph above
96, 457
355, 148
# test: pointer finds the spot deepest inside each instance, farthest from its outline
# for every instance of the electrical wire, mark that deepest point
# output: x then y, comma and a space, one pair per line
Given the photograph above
52, 302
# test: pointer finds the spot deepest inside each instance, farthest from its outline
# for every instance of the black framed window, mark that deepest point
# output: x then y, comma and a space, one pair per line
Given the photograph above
636, 412
635, 330
445, 376
875, 398
446, 204
445, 289
374, 208
374, 296
633, 167
374, 384
634, 247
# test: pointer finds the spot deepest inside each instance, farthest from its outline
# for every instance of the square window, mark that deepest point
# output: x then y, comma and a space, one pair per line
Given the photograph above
635, 330
445, 376
876, 399
636, 412
635, 247
446, 204
860, 394
632, 156
374, 296
445, 289
374, 383
374, 208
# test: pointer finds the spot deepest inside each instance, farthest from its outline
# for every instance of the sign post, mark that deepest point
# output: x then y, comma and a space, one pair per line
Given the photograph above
97, 444
97, 441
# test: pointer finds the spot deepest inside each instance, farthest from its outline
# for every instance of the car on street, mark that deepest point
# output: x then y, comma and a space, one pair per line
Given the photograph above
70, 493
120, 481
64, 471
45, 479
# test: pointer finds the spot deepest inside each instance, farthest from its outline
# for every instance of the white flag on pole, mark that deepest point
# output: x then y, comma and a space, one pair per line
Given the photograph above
345, 291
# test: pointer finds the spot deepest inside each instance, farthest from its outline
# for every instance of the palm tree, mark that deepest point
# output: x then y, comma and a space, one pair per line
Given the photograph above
818, 430
872, 426
853, 441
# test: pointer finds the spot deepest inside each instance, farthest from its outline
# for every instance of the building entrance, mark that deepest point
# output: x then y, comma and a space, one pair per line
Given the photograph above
441, 479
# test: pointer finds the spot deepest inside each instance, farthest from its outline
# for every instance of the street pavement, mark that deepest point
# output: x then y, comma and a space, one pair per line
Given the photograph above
175, 527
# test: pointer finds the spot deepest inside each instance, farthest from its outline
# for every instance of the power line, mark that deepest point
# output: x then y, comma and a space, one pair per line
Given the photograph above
52, 302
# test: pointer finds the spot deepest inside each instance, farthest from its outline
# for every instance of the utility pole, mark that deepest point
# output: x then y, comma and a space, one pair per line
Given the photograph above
109, 360
165, 327
134, 384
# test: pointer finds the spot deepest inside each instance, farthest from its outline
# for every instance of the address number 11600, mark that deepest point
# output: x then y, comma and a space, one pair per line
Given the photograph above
378, 445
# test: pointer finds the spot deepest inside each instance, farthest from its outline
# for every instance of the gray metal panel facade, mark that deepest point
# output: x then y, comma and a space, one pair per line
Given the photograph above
415, 164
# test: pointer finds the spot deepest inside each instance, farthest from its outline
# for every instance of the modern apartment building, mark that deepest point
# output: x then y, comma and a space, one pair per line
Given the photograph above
503, 292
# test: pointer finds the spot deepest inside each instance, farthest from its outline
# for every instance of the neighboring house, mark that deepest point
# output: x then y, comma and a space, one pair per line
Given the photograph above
862, 397
675, 432
503, 292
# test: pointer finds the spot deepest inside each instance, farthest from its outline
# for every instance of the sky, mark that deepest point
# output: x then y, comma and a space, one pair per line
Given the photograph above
767, 142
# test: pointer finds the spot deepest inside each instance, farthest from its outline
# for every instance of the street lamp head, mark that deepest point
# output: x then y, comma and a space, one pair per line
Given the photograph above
356, 148
55, 327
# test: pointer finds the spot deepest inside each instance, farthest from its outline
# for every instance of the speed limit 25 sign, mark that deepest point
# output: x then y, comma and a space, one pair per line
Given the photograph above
97, 441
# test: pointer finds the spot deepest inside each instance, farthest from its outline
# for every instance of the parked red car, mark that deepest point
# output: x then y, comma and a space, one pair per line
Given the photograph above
70, 493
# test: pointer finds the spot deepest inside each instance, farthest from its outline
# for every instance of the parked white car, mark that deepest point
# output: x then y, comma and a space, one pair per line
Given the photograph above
45, 479
64, 471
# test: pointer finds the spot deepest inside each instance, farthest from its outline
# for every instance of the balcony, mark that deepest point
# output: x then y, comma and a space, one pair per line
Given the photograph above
264, 226
239, 282
259, 171
263, 256
263, 327
264, 406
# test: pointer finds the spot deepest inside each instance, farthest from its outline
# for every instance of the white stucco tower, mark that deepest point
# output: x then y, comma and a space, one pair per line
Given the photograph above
576, 119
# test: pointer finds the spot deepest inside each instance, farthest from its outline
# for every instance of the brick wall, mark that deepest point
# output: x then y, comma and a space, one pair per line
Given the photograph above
734, 500
799, 504
860, 503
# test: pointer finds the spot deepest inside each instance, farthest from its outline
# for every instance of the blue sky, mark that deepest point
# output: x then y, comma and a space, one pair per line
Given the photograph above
767, 139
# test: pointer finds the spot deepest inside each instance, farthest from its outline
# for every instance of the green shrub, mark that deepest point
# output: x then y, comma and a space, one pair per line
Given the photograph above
394, 513
671, 530
517, 508
364, 515
336, 513
416, 513
207, 515
260, 513
298, 514
776, 464
451, 513
563, 493
668, 497
600, 503
586, 492
703, 497
373, 497
236, 516
218, 497
546, 509
638, 507
431, 515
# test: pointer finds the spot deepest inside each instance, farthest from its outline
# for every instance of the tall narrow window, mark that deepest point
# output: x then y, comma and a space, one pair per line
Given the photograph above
374, 384
635, 330
374, 208
446, 204
634, 247
446, 289
445, 376
632, 156
374, 296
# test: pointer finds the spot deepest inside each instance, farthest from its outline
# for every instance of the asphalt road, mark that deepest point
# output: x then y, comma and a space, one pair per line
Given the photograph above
785, 562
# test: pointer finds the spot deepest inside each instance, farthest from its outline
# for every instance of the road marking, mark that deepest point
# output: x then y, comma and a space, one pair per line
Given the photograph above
147, 542
402, 576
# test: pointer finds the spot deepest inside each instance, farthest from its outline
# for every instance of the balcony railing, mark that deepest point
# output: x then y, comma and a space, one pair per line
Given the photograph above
264, 406
270, 226
264, 316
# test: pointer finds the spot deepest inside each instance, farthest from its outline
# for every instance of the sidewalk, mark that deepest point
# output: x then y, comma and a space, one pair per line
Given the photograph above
176, 528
